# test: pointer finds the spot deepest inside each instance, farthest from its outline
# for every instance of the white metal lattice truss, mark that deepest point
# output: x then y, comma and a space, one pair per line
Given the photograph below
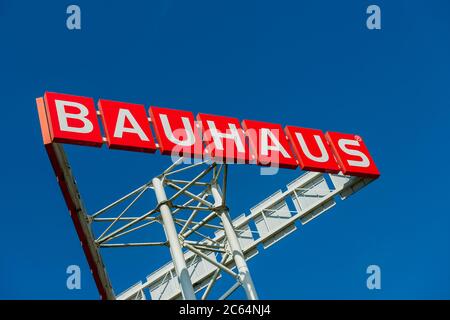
205, 244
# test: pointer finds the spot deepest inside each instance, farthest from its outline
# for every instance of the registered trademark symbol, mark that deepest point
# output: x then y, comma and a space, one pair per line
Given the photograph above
358, 138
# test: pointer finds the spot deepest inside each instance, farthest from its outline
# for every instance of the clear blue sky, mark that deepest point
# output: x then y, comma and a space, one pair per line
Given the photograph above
305, 63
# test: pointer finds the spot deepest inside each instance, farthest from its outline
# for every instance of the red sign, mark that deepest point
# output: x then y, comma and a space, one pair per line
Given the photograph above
352, 155
74, 119
224, 138
312, 149
176, 132
269, 143
126, 126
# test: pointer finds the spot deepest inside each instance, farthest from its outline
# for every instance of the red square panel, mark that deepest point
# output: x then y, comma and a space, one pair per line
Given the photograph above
176, 132
224, 138
269, 144
312, 149
72, 119
126, 126
352, 155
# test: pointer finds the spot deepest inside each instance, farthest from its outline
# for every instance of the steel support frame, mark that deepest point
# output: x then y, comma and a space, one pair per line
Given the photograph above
163, 214
238, 256
176, 252
69, 190
176, 241
219, 209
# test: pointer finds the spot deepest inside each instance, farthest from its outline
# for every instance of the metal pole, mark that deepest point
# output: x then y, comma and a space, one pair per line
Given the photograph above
175, 248
236, 251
